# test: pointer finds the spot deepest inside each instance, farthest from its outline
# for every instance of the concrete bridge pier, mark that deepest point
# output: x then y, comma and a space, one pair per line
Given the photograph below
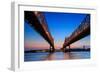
66, 49
52, 49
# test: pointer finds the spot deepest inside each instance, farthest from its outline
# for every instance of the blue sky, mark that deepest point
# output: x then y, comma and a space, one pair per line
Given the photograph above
61, 25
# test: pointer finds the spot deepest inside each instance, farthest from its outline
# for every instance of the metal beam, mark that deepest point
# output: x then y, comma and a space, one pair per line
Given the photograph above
39, 24
82, 31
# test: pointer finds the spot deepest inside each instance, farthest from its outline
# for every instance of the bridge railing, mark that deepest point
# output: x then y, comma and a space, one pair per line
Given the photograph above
83, 25
43, 21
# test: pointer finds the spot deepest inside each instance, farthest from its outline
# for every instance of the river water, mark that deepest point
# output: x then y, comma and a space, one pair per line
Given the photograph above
43, 56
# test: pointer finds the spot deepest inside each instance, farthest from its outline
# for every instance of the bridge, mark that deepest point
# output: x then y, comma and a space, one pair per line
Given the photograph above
38, 22
82, 31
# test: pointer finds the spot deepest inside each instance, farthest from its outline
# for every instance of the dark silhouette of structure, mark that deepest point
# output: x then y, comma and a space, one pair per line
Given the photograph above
82, 31
38, 22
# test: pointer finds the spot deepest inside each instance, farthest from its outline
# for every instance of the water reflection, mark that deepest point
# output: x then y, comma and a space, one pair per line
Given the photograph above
58, 56
42, 56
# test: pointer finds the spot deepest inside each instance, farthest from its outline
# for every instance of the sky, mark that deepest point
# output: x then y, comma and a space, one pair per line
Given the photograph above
60, 25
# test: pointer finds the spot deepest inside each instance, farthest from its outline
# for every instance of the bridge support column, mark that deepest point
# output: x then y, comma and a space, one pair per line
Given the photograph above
51, 49
66, 49
69, 46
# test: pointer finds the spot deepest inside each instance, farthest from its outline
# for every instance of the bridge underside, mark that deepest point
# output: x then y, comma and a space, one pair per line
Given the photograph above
81, 35
34, 22
81, 32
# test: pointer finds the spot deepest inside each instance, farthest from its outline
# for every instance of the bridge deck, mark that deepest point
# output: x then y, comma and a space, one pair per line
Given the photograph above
82, 31
38, 22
